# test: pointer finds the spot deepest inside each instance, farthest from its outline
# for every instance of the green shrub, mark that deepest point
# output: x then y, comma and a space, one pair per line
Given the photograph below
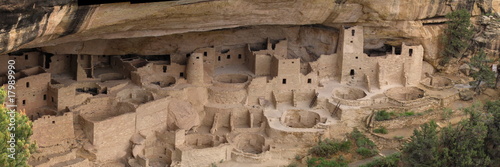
328, 147
361, 140
408, 113
365, 152
399, 137
382, 115
447, 112
389, 161
322, 162
381, 130
293, 165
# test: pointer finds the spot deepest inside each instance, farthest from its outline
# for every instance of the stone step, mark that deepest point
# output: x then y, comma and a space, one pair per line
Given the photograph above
77, 162
56, 158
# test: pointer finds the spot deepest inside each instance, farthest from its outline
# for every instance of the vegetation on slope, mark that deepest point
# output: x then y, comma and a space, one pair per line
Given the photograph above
332, 153
473, 142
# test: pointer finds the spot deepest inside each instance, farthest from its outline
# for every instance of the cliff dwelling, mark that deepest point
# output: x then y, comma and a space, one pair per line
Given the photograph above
257, 86
237, 102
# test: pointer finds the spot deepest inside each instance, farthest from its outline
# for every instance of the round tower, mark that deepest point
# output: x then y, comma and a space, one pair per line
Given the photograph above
194, 70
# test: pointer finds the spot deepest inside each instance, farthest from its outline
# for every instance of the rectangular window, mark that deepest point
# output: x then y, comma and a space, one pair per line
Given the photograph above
309, 80
44, 97
284, 81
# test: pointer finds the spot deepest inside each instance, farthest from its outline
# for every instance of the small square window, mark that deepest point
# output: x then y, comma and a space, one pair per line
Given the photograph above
284, 81
309, 80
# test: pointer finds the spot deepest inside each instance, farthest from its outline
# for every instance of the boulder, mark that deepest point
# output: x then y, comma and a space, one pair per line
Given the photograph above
466, 95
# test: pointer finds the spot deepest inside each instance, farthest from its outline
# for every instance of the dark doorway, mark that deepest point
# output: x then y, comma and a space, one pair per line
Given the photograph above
48, 60
352, 72
410, 52
284, 81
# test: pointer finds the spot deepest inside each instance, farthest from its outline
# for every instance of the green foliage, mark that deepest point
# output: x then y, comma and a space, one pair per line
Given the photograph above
447, 112
463, 145
298, 157
472, 142
492, 140
383, 115
328, 147
3, 94
483, 72
457, 35
399, 137
293, 165
322, 162
365, 152
381, 130
22, 132
388, 161
361, 139
366, 147
407, 114
422, 150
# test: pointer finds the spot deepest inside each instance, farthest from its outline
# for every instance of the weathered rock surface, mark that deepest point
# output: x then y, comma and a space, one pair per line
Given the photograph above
36, 23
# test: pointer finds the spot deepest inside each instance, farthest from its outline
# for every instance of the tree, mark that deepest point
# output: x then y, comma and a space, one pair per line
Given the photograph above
457, 35
423, 148
481, 71
492, 141
463, 144
14, 126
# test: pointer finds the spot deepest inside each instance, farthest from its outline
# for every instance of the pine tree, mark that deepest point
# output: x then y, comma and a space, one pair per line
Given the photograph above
22, 132
481, 71
464, 144
492, 140
458, 34
422, 150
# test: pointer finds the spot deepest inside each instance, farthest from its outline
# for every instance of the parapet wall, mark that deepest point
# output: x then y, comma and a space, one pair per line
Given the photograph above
204, 157
112, 137
46, 128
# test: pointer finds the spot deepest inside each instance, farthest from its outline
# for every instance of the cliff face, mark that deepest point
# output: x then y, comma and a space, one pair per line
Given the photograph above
37, 23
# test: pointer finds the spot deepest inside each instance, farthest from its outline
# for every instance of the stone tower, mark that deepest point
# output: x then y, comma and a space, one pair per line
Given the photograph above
351, 53
195, 69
